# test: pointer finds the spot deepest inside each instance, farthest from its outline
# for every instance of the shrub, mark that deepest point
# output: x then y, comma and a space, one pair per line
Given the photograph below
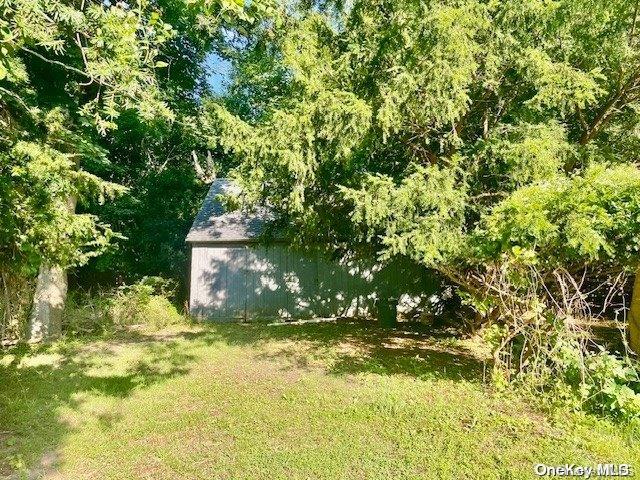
602, 382
15, 303
567, 374
143, 303
87, 314
539, 330
159, 312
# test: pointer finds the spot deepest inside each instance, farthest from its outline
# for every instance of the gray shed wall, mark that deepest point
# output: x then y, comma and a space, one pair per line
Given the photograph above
244, 281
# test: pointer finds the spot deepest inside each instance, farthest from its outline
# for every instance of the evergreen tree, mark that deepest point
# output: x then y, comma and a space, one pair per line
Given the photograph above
469, 136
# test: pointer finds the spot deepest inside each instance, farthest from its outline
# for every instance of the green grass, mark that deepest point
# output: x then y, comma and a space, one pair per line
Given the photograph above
287, 401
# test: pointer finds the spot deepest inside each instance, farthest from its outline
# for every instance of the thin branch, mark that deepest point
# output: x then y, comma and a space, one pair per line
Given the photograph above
56, 62
84, 60
16, 97
607, 110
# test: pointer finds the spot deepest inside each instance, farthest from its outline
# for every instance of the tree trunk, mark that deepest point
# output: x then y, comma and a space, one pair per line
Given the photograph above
388, 312
4, 325
634, 315
45, 321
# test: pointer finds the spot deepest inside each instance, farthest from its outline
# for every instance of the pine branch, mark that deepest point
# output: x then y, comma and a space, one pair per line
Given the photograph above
614, 102
56, 62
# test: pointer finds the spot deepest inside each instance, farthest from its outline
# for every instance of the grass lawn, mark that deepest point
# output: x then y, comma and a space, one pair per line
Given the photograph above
305, 401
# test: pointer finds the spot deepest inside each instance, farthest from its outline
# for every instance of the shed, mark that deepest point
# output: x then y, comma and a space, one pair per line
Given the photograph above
234, 274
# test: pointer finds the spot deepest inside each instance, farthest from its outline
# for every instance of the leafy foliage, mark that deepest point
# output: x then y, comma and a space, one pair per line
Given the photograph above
422, 124
598, 381
147, 302
66, 73
495, 142
570, 220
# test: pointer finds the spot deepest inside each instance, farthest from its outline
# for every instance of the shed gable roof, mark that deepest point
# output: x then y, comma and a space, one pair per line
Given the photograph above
215, 225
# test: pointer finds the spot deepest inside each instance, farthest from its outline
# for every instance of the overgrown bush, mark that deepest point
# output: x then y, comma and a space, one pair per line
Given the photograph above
144, 303
542, 342
610, 385
159, 312
596, 381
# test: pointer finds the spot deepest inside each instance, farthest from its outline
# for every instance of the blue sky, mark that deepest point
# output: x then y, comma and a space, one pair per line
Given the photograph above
218, 72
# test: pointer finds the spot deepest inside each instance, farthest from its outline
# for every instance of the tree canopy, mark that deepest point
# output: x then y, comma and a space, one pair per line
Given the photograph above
464, 135
76, 80
67, 72
490, 144
454, 132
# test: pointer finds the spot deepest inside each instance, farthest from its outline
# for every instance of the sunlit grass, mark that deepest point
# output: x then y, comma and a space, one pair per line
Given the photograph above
290, 401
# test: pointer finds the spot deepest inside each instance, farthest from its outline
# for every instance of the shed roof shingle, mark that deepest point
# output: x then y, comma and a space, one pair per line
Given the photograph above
214, 224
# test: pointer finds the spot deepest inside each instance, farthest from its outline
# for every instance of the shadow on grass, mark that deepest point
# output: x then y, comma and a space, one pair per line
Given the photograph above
355, 347
35, 382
